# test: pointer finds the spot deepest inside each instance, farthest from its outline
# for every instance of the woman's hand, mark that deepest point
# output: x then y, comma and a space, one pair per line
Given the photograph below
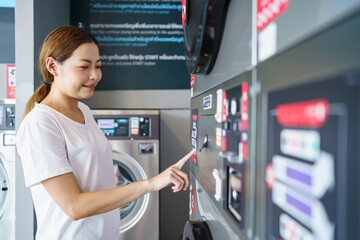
172, 175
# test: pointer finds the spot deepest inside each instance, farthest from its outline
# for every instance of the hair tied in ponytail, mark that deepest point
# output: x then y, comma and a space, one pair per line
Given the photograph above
47, 84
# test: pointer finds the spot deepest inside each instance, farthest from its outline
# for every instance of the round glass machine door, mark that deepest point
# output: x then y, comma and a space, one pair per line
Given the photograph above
127, 170
4, 188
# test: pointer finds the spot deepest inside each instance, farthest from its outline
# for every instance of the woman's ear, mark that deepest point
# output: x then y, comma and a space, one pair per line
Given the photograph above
51, 66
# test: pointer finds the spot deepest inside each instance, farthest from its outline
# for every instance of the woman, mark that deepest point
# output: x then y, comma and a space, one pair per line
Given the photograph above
67, 160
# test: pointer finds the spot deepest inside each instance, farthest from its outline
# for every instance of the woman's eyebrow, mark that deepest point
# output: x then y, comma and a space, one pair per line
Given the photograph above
89, 61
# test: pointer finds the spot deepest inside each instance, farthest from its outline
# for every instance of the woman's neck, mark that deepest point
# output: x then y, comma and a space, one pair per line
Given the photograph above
65, 105
60, 103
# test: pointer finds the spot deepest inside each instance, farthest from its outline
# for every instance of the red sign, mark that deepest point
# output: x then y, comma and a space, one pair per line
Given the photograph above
244, 118
312, 113
183, 11
225, 107
10, 81
269, 10
193, 158
192, 202
192, 80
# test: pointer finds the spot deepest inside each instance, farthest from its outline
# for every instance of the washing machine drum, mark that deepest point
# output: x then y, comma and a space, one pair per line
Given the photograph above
128, 170
4, 193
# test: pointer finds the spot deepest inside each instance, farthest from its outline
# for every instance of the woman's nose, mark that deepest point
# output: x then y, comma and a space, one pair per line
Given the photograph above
95, 74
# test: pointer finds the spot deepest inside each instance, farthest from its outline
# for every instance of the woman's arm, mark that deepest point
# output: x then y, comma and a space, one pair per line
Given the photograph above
66, 192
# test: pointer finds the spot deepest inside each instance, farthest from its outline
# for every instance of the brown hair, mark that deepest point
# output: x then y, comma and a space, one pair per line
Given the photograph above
59, 44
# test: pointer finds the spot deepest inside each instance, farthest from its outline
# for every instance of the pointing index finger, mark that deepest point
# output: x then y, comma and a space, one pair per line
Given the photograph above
182, 161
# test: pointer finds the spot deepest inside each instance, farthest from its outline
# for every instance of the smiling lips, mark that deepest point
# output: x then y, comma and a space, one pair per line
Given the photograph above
90, 86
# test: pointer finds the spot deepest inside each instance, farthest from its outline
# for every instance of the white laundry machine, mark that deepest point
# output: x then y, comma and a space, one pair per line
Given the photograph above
7, 169
134, 137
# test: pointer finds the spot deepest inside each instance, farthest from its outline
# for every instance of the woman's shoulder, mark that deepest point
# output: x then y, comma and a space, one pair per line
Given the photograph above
39, 114
83, 106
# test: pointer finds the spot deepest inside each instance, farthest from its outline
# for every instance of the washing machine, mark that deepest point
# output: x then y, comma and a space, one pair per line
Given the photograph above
134, 137
7, 169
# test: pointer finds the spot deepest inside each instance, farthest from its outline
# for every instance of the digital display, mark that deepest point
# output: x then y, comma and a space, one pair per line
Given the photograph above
105, 123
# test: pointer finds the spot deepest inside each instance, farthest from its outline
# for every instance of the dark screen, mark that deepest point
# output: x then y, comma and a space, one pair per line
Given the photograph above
141, 42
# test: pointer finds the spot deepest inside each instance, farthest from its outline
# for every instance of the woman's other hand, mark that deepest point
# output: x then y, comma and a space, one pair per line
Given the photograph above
172, 176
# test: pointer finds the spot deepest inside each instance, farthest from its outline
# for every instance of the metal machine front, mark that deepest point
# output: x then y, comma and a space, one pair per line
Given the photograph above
221, 134
134, 138
290, 171
7, 169
282, 25
203, 24
235, 54
308, 138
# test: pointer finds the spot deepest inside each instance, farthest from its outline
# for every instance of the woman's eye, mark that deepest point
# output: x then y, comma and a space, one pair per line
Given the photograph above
84, 67
98, 66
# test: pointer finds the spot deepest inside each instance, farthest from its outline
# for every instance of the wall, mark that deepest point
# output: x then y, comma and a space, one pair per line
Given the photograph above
24, 85
3, 81
174, 144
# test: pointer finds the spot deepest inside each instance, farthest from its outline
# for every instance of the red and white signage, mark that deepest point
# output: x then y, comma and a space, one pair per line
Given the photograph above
269, 10
312, 113
192, 201
192, 80
221, 106
244, 119
10, 81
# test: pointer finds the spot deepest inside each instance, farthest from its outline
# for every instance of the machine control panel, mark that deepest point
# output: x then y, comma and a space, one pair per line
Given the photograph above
232, 118
7, 116
312, 162
124, 127
219, 127
128, 126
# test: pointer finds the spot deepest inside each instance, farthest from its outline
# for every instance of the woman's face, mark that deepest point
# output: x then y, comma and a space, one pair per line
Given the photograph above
78, 75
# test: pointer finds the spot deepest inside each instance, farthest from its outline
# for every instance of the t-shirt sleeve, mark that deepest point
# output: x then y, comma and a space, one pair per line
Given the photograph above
42, 150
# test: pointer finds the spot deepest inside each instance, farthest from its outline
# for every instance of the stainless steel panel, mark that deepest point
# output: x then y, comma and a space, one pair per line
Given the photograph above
7, 185
126, 150
306, 18
206, 210
125, 112
150, 165
211, 158
149, 162
235, 53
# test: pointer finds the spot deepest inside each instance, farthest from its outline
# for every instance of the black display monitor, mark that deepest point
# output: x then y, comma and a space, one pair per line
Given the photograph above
141, 42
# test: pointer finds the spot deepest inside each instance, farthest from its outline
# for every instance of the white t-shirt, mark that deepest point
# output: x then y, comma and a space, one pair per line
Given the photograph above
51, 144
